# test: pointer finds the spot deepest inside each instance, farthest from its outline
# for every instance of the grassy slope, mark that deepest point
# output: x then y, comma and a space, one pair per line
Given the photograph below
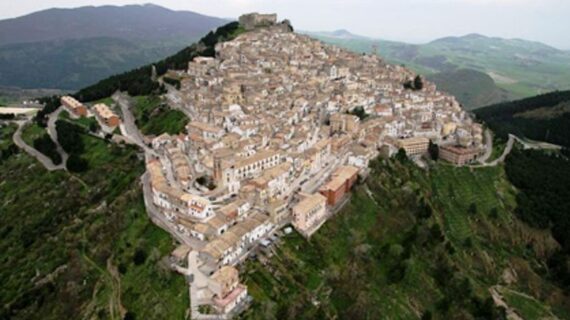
153, 118
472, 88
84, 226
381, 261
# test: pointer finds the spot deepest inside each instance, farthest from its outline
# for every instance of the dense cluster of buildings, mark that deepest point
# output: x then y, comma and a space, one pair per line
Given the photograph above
276, 138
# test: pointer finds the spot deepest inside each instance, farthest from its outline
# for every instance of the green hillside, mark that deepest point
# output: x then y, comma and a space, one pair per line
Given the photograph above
471, 88
543, 118
80, 246
73, 64
523, 68
71, 48
420, 244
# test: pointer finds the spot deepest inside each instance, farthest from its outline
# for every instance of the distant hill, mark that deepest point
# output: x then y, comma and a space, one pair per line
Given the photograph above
523, 68
472, 88
339, 34
545, 118
72, 48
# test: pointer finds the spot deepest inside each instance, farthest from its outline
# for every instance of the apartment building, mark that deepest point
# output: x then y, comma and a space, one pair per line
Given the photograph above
414, 146
106, 115
309, 213
339, 185
75, 107
458, 155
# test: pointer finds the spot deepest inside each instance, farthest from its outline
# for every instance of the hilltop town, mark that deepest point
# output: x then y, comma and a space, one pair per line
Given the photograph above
282, 127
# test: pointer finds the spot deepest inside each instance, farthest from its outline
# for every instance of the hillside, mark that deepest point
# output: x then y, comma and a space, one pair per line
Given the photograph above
471, 88
414, 244
72, 48
543, 118
441, 243
521, 67
81, 246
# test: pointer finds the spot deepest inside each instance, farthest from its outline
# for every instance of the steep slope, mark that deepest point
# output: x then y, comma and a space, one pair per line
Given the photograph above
524, 68
437, 244
543, 118
472, 88
81, 246
72, 48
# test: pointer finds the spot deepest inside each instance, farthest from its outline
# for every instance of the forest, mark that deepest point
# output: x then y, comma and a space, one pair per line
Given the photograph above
547, 118
543, 181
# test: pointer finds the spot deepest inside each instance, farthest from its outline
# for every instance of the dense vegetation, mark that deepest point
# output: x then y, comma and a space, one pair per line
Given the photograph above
153, 117
7, 148
544, 184
412, 244
45, 145
138, 82
80, 246
545, 118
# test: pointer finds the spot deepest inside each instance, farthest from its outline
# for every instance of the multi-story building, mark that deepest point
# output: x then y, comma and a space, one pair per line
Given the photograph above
414, 146
227, 291
106, 115
339, 185
75, 107
309, 213
458, 155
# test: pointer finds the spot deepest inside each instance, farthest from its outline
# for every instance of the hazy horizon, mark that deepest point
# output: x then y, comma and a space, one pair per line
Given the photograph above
412, 21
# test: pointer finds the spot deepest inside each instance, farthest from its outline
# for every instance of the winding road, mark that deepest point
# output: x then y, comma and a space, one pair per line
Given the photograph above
510, 144
43, 159
51, 129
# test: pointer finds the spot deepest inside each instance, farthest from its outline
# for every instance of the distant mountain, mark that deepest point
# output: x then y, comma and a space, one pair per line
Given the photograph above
544, 118
133, 22
72, 48
339, 34
523, 68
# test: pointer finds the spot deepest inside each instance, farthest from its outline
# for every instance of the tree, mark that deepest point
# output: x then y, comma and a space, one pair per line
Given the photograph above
401, 156
418, 83
433, 151
93, 127
76, 164
472, 209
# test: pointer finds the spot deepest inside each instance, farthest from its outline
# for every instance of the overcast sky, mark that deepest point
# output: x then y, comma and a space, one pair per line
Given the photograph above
415, 21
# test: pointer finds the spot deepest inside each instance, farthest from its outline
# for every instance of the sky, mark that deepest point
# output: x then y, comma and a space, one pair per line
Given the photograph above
415, 21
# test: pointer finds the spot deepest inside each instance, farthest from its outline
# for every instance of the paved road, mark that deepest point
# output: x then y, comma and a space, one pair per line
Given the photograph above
128, 127
44, 160
176, 102
488, 146
52, 118
160, 219
509, 148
